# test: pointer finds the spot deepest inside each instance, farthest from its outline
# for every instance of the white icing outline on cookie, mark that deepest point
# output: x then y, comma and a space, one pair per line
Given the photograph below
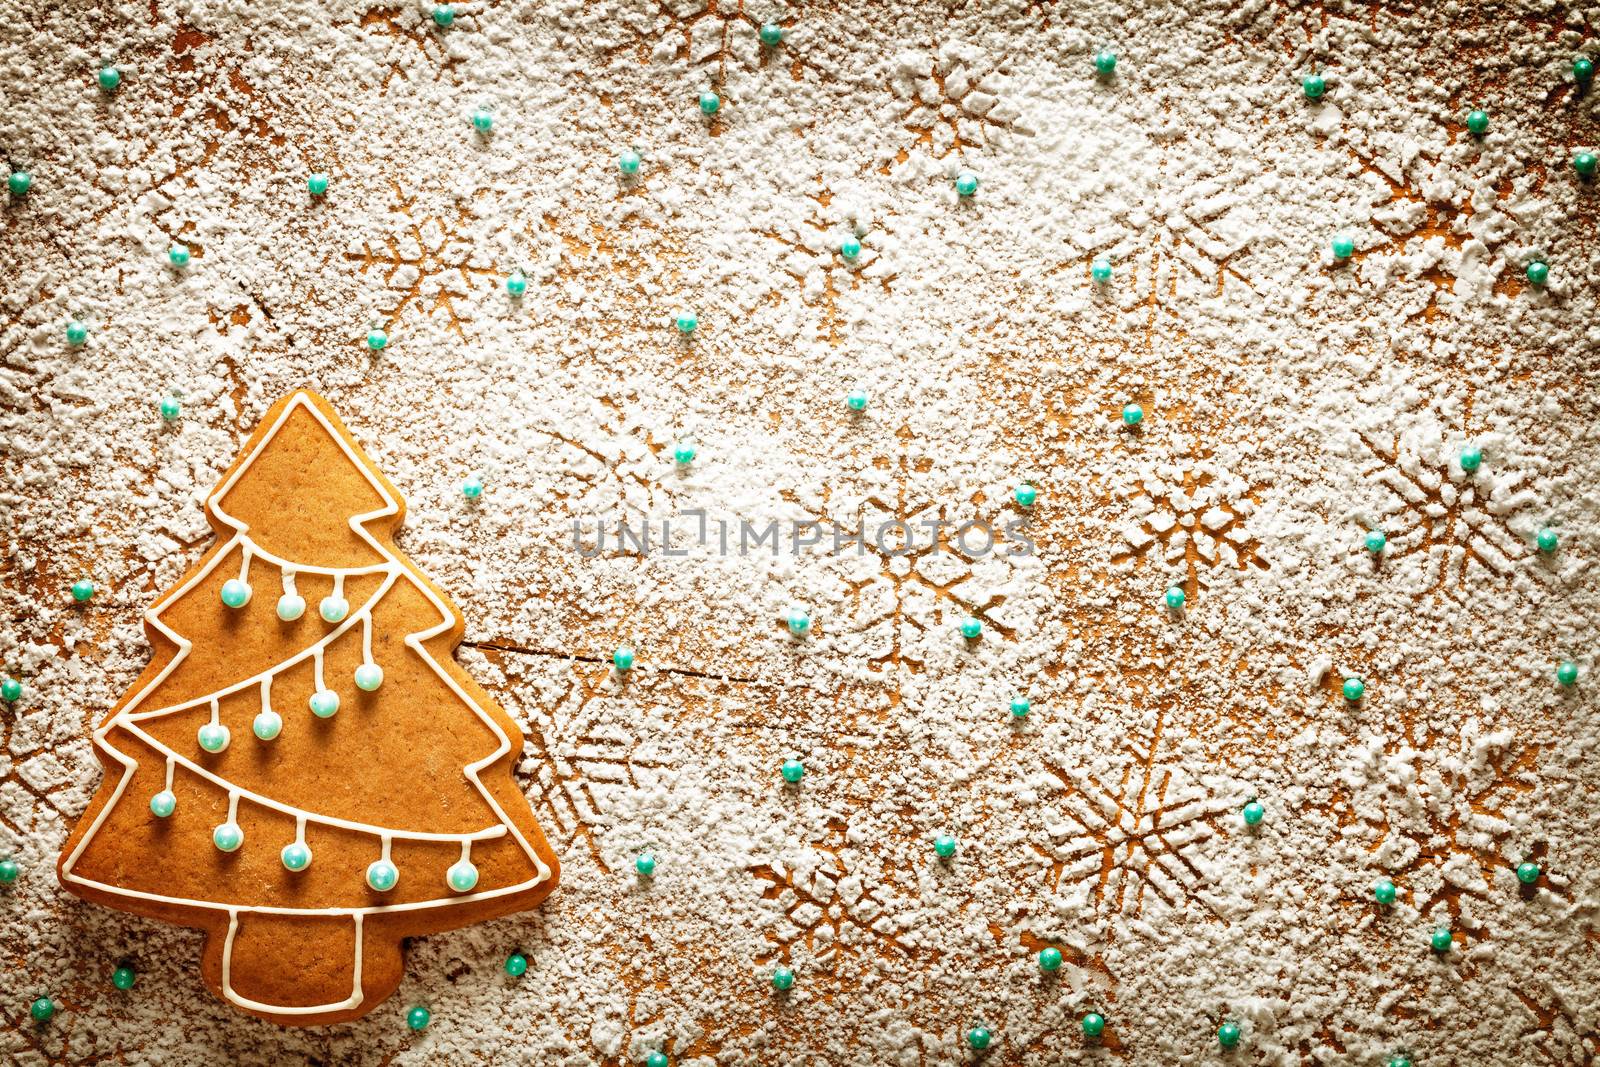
416, 641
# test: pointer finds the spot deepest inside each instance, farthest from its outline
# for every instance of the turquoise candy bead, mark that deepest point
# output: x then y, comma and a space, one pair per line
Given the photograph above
1343, 247
482, 120
382, 875
42, 1010
178, 255
377, 340
324, 703
792, 770
443, 16
1584, 163
771, 34
1228, 1035
1471, 458
213, 737
1441, 940
516, 965
170, 408
516, 284
228, 837
1478, 122
850, 248
1100, 270
1567, 673
1527, 872
1582, 69
10, 871
123, 978
1314, 85
368, 677
686, 322
1050, 959
710, 103
1547, 539
1398, 1060
966, 183
163, 804
77, 333
628, 162
683, 454
462, 876
1354, 689
82, 590
971, 627
782, 979
418, 1018
1132, 414
472, 488
295, 856
1094, 1024
944, 846
857, 400
622, 658
10, 690
18, 182
1025, 495
656, 1059
317, 184
978, 1038
1383, 891
1376, 540
645, 863
1105, 61
1538, 272
109, 78
1175, 597
1020, 706
1254, 813
799, 621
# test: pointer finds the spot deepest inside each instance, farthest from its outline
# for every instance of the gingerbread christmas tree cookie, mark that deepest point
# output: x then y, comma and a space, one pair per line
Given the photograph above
303, 771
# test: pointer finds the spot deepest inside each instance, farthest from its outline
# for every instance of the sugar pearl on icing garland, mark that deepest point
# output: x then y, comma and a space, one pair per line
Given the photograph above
334, 608
324, 703
382, 875
228, 836
213, 737
462, 876
295, 856
163, 804
268, 724
236, 592
291, 606
368, 677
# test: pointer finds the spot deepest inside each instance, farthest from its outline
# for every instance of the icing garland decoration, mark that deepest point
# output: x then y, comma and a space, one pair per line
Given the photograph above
522, 868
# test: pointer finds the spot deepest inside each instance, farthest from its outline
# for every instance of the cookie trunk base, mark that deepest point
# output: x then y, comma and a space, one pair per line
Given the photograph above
301, 970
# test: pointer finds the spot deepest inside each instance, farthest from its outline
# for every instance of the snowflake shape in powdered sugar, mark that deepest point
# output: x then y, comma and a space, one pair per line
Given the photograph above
954, 103
1192, 514
1446, 534
396, 28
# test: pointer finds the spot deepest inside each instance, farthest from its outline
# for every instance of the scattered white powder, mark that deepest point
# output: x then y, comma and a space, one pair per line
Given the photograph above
1291, 403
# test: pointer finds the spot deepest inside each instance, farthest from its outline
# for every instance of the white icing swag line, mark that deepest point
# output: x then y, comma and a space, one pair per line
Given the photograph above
416, 641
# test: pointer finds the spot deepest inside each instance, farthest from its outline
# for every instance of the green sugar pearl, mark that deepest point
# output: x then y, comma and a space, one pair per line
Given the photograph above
799, 620
1471, 458
656, 1059
1527, 872
1100, 270
516, 965
1383, 891
443, 16
628, 162
1094, 1024
317, 184
77, 333
710, 103
971, 627
850, 249
944, 846
170, 408
622, 658
1567, 673
482, 120
109, 78
966, 184
645, 863
19, 182
82, 590
1584, 163
178, 255
782, 978
771, 34
1399, 1061
1025, 495
978, 1038
1132, 415
1343, 247
1441, 939
472, 488
686, 322
1228, 1035
1105, 61
857, 400
1538, 272
42, 1010
418, 1018
1547, 539
10, 690
1314, 85
516, 284
10, 871
377, 340
683, 454
1020, 707
1582, 69
1354, 689
1254, 813
1376, 540
1478, 122
1050, 959
792, 770
123, 978
1176, 597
